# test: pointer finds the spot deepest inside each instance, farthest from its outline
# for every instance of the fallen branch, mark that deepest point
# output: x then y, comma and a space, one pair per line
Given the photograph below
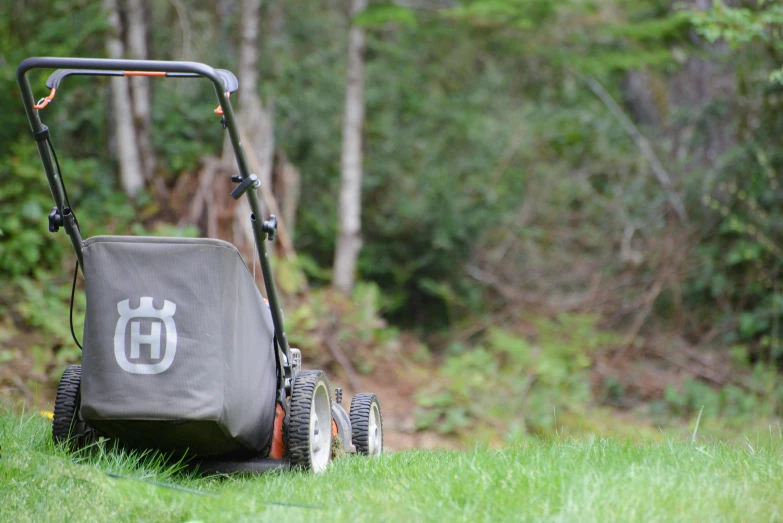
640, 319
706, 373
642, 143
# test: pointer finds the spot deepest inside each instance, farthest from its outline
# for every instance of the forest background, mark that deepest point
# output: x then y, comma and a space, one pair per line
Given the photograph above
508, 217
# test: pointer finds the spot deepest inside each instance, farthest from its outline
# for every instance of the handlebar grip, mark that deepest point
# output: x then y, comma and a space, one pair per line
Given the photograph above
53, 82
230, 82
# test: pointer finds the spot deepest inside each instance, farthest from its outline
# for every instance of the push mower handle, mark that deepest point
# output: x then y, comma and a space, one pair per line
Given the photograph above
53, 82
225, 81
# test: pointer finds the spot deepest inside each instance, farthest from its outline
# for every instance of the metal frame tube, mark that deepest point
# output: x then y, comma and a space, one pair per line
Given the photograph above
269, 284
71, 227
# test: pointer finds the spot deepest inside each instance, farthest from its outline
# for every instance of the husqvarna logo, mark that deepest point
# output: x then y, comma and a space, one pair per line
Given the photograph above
160, 357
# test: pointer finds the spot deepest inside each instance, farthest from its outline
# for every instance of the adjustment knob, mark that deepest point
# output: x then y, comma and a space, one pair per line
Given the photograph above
55, 220
338, 395
270, 227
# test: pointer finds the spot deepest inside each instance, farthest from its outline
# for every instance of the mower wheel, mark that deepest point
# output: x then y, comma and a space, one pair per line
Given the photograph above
367, 424
310, 421
66, 425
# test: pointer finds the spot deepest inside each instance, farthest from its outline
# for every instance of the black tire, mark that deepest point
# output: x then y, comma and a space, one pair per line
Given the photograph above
67, 428
307, 447
367, 424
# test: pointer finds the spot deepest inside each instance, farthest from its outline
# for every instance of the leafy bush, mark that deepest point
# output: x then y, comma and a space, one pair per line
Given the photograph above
514, 383
738, 259
325, 321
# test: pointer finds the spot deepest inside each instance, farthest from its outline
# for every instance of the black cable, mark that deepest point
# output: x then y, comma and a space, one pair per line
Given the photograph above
68, 204
73, 291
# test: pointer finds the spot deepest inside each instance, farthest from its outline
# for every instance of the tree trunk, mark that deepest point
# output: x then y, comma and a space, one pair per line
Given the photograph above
256, 120
287, 188
349, 236
253, 118
141, 87
131, 173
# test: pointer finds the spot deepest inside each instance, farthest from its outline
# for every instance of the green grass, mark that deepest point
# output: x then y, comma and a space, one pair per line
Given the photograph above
566, 480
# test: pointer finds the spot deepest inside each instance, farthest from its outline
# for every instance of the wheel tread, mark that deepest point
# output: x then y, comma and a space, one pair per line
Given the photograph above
66, 405
298, 433
360, 421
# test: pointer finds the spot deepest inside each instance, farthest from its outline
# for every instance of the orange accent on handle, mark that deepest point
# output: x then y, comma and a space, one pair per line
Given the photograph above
278, 445
334, 428
219, 110
143, 73
46, 100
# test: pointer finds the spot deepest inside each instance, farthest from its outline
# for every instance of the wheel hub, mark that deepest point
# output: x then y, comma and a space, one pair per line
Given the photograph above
375, 438
320, 428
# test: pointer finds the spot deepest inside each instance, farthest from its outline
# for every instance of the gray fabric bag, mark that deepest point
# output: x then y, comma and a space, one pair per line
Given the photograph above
178, 346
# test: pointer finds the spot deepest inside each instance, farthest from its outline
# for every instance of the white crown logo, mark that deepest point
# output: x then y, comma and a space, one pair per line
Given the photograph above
153, 339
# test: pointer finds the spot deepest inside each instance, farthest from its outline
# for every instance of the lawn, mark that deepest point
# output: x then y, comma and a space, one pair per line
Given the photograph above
581, 479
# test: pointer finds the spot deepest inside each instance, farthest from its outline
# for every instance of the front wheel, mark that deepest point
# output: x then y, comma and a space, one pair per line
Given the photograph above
367, 424
310, 422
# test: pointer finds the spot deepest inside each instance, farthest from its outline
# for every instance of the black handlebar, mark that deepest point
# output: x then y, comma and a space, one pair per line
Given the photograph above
224, 83
53, 82
224, 80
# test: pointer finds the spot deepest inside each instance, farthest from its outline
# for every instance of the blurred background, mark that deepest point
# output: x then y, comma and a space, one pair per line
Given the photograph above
509, 218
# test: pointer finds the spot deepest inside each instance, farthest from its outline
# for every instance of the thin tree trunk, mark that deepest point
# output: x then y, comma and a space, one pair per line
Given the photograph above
131, 174
349, 240
141, 87
248, 50
256, 119
644, 147
253, 118
287, 188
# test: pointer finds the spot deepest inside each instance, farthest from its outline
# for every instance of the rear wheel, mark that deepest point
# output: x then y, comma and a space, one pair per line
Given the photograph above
310, 421
67, 428
367, 424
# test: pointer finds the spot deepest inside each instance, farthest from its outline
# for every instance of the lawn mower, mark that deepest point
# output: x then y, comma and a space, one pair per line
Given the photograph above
181, 352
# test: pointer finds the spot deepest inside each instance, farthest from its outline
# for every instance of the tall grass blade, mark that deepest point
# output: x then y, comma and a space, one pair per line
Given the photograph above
696, 428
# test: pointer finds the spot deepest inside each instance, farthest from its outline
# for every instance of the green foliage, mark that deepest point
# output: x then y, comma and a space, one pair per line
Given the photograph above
443, 158
47, 28
738, 404
697, 396
24, 196
740, 25
741, 257
353, 325
515, 384
743, 25
379, 14
518, 14
24, 243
